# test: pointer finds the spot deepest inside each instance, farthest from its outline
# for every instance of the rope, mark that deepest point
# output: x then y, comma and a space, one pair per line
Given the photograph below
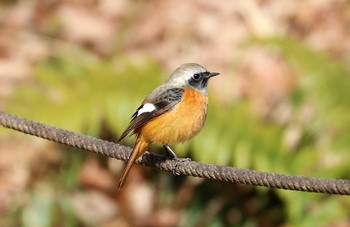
177, 166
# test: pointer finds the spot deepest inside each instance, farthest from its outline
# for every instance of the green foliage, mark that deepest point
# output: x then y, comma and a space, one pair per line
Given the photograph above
48, 206
38, 211
324, 148
81, 94
234, 135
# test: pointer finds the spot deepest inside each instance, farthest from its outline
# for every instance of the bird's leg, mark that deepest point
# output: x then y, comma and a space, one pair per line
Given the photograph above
170, 152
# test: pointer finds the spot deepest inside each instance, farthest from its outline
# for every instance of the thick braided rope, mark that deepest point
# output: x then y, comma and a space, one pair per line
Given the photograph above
178, 166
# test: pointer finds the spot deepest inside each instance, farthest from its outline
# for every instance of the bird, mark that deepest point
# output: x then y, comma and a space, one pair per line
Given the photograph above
172, 113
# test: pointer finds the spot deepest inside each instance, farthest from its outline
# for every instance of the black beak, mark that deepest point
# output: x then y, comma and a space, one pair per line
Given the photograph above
213, 74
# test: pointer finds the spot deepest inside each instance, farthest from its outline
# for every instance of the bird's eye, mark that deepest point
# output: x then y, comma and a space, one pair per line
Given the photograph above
197, 76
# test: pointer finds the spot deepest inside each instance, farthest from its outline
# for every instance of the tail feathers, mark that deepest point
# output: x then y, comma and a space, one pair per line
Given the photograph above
140, 148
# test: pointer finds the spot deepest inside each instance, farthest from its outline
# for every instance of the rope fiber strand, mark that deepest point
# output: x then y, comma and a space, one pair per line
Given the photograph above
177, 166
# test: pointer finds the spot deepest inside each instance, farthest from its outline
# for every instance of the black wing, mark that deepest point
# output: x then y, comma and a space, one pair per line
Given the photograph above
163, 103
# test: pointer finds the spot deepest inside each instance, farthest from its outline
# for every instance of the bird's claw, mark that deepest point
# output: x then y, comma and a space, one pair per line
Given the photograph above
177, 160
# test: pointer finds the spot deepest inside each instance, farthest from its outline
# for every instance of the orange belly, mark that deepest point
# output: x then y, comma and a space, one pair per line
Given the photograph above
179, 124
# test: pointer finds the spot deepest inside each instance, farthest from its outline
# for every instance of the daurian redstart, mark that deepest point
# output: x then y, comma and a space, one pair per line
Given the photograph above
174, 112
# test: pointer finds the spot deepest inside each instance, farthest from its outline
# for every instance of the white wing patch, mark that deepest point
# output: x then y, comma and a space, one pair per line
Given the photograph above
147, 107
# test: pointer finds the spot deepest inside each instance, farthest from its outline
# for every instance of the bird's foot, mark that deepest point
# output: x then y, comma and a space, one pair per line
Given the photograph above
173, 156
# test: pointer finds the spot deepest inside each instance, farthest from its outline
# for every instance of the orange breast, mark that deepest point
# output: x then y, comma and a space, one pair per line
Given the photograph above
183, 122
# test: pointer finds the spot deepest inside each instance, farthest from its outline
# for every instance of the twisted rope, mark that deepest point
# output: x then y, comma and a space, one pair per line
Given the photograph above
183, 167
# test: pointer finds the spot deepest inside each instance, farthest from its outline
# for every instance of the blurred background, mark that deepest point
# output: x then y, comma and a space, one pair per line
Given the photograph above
281, 105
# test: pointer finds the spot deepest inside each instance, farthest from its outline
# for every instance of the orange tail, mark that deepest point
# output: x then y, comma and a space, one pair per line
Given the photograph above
139, 149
